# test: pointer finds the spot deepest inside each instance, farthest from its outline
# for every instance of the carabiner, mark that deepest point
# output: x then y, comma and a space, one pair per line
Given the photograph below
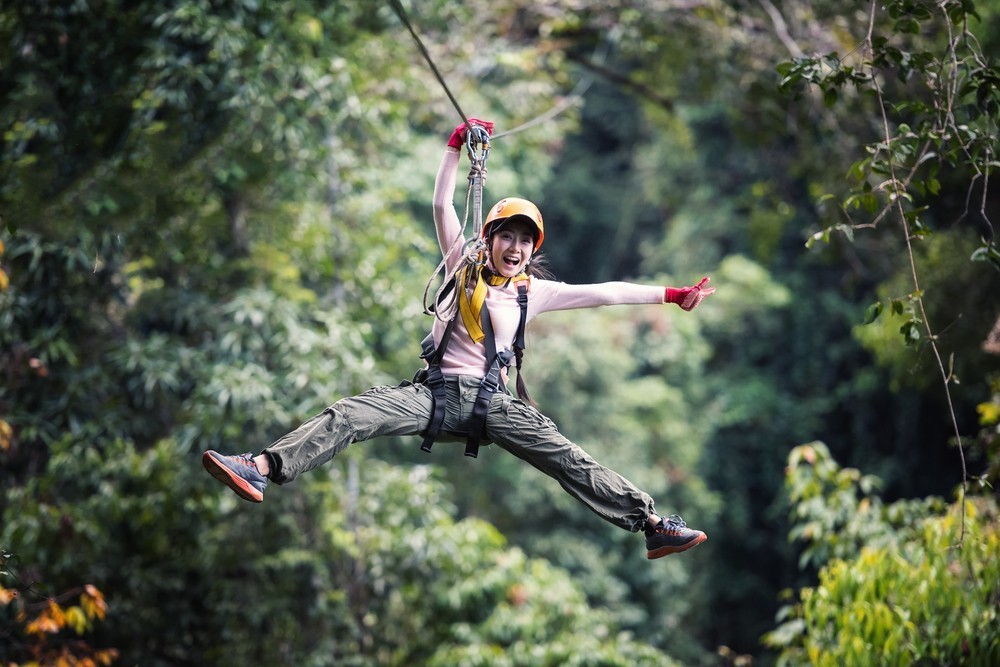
477, 136
474, 251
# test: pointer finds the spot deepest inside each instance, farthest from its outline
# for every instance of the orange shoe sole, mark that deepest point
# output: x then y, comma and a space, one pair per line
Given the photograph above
666, 551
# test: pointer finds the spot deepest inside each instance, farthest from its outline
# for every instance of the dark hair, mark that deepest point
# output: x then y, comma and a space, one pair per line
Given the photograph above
539, 267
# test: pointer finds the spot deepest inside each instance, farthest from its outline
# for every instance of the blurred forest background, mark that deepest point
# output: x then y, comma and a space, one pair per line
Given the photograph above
216, 221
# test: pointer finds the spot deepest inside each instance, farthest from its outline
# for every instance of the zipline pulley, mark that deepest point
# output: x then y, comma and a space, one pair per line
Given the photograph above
477, 144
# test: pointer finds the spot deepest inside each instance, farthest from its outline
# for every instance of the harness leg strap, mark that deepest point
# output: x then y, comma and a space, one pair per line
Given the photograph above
478, 421
435, 380
492, 381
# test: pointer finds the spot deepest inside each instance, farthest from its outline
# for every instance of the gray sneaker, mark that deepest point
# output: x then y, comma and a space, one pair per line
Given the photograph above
239, 473
671, 536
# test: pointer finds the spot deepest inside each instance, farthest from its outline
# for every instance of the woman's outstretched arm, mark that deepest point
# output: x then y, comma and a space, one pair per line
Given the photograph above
550, 295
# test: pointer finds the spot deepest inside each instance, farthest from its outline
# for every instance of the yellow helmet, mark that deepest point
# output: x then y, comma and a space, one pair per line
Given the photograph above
514, 206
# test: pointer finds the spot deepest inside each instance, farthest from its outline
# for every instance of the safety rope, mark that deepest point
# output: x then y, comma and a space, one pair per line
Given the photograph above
477, 142
445, 303
571, 100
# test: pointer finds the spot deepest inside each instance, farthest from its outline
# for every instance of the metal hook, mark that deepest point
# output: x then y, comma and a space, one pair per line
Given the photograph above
474, 137
477, 136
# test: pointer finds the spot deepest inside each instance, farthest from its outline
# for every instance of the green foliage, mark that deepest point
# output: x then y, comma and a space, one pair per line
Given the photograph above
961, 299
413, 587
835, 510
217, 222
208, 362
900, 584
958, 134
111, 93
946, 119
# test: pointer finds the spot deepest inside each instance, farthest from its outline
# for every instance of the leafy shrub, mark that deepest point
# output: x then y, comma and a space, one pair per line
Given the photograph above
900, 584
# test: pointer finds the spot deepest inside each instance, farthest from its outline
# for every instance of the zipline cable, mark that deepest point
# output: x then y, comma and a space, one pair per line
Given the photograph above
574, 98
473, 254
475, 136
427, 56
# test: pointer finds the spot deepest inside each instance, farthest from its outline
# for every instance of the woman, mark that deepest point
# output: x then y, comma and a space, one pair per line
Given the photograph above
490, 316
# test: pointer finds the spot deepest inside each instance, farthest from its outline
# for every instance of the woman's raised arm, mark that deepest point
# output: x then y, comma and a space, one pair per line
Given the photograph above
449, 229
445, 217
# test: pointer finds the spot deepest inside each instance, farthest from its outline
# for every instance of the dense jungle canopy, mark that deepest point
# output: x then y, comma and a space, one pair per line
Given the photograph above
216, 221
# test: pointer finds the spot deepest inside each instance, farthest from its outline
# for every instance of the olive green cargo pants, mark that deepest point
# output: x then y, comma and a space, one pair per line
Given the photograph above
511, 424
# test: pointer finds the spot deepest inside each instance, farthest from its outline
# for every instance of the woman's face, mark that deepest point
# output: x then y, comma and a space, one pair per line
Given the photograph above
512, 246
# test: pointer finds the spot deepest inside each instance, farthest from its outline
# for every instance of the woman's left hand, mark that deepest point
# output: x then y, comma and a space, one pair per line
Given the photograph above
688, 298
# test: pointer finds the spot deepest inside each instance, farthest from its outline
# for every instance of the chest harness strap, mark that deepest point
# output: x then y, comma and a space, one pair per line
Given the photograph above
490, 384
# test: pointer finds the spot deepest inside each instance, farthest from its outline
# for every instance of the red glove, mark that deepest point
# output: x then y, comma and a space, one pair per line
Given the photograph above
688, 298
457, 138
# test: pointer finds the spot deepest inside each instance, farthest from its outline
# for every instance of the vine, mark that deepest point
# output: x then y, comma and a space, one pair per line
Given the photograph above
955, 127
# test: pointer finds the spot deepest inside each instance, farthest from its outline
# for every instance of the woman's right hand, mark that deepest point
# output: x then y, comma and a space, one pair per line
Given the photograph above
457, 138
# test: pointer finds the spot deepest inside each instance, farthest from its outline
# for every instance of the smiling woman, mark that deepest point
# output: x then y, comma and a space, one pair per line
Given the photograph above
462, 392
512, 246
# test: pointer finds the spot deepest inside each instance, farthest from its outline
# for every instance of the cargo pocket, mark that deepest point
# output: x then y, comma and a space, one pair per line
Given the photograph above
520, 412
383, 410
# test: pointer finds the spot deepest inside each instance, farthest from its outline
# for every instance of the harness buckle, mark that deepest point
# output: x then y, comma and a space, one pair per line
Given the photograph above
490, 382
504, 357
435, 378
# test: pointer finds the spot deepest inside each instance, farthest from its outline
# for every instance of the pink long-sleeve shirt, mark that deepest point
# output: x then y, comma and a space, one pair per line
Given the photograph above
465, 357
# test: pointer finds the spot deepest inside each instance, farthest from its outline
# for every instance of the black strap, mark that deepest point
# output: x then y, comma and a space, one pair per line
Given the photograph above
491, 382
435, 381
522, 302
490, 340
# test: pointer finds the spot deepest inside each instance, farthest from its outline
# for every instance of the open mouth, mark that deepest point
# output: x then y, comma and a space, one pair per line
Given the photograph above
511, 262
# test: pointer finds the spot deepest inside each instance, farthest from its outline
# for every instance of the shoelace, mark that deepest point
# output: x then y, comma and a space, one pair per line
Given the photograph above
245, 459
672, 525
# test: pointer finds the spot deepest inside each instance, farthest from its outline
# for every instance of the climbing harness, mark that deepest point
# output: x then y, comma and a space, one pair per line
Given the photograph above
493, 381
